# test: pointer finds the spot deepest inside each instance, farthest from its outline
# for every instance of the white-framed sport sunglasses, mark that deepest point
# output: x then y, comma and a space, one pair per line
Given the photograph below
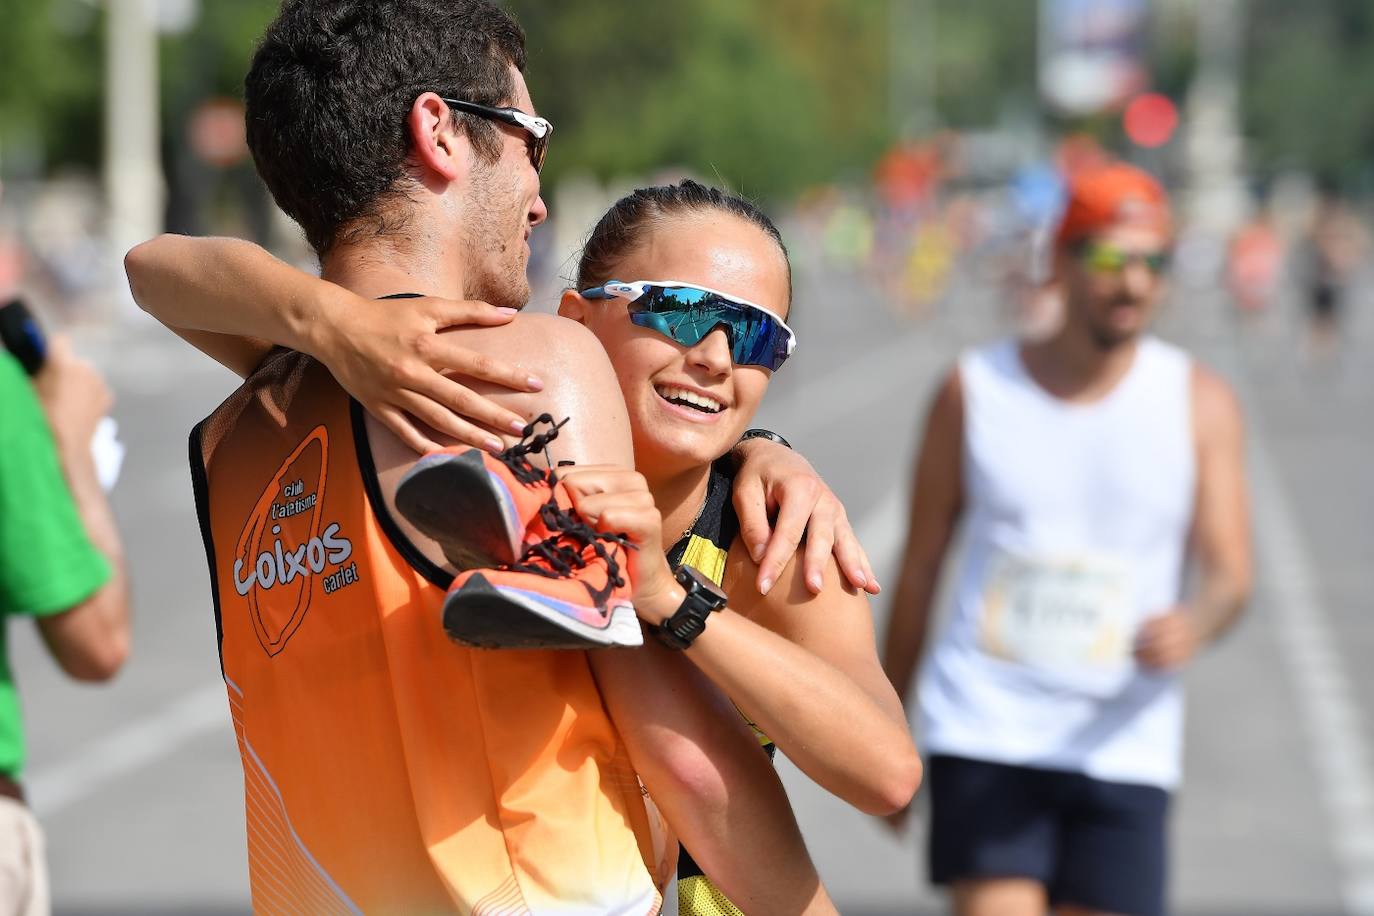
687, 312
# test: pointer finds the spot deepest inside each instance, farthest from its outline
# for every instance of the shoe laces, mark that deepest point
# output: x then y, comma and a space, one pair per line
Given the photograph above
569, 547
516, 457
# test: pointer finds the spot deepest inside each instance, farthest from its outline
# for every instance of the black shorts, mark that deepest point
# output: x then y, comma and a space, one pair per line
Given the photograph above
1326, 301
1094, 844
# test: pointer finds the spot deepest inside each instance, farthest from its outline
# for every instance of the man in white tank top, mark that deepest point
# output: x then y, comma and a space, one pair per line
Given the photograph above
1087, 469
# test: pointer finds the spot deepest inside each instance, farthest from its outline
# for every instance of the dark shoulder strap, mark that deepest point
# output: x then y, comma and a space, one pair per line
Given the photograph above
718, 522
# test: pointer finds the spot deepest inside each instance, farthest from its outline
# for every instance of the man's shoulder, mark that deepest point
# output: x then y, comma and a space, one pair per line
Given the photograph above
1216, 406
997, 350
996, 358
281, 377
279, 363
288, 388
1153, 343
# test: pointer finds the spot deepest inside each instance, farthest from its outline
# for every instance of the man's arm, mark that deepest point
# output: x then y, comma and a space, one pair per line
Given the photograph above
88, 635
1220, 532
936, 504
705, 771
91, 641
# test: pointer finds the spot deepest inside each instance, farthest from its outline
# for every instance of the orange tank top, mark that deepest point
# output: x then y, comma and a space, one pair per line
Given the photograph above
387, 769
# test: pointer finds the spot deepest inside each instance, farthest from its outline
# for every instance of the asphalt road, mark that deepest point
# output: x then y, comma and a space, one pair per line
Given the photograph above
139, 784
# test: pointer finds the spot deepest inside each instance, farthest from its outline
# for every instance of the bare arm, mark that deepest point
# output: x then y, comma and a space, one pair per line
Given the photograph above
1221, 526
804, 668
1220, 535
936, 504
233, 301
705, 771
90, 641
229, 298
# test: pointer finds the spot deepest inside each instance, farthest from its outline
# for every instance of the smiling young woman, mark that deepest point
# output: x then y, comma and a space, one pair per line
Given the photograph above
800, 666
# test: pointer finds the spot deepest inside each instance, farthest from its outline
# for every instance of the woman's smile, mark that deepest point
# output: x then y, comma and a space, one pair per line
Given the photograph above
690, 403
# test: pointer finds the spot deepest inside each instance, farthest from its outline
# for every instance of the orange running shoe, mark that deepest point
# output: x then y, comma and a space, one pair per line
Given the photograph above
568, 591
476, 505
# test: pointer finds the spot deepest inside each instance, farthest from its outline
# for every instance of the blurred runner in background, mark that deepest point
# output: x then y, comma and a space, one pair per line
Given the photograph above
1254, 266
1331, 254
61, 563
1085, 467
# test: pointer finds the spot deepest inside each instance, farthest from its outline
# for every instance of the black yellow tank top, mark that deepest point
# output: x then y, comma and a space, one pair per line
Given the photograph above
705, 548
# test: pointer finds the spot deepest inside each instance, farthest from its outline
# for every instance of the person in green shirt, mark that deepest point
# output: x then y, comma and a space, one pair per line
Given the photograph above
60, 563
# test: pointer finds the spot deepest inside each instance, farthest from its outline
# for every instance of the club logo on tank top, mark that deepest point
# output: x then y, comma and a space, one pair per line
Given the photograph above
288, 550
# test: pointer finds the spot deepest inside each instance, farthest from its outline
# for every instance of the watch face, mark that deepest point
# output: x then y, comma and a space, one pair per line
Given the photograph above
708, 588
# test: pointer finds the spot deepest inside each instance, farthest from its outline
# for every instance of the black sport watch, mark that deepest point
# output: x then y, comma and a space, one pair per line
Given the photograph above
688, 622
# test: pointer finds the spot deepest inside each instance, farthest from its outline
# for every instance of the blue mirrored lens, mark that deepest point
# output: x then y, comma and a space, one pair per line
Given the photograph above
687, 315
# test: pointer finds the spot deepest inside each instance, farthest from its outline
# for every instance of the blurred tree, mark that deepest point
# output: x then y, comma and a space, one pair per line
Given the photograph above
212, 57
209, 61
1309, 93
50, 81
985, 59
767, 97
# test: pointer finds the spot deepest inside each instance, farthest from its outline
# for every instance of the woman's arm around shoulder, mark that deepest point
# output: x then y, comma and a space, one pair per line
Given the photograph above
234, 301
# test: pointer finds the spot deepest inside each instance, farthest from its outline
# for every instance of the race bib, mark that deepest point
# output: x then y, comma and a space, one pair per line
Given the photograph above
1056, 612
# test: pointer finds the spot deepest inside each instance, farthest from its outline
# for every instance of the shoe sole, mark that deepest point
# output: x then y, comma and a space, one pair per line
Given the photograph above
491, 617
455, 500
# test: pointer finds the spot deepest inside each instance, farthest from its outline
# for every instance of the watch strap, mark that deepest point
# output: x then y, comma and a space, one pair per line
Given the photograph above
701, 598
764, 434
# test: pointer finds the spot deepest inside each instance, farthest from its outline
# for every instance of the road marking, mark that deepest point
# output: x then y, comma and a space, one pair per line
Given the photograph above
86, 771
1339, 748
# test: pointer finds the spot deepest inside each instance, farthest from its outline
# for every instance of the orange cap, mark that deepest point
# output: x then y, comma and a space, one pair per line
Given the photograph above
1108, 195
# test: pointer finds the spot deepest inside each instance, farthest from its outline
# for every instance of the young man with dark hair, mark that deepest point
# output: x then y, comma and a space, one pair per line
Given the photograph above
387, 769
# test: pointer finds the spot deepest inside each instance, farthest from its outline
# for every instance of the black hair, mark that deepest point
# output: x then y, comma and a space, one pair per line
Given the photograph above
631, 218
330, 87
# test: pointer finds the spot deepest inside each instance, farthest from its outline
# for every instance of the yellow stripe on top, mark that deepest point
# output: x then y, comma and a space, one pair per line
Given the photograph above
697, 896
706, 558
709, 560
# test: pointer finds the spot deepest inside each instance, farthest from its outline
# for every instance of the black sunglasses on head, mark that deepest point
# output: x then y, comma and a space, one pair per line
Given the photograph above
537, 129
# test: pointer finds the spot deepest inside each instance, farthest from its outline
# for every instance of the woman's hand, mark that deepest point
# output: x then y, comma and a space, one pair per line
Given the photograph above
773, 478
617, 500
394, 359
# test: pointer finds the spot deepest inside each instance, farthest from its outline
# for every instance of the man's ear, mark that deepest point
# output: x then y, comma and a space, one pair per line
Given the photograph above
442, 151
573, 306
